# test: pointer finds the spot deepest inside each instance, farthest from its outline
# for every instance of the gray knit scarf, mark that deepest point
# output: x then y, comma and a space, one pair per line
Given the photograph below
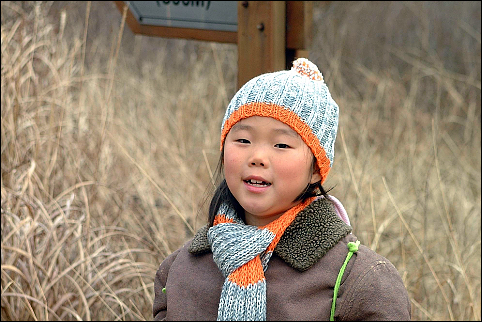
242, 253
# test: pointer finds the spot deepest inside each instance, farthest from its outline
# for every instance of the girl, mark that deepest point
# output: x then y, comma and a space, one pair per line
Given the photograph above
277, 246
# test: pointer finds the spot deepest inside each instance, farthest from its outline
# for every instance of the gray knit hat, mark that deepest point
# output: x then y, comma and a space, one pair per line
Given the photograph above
297, 97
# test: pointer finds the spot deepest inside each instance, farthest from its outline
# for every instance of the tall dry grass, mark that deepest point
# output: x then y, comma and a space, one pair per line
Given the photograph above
109, 140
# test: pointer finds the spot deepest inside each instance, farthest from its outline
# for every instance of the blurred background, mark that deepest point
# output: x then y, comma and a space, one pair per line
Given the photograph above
109, 142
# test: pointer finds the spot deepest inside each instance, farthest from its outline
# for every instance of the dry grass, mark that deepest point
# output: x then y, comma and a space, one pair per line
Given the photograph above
108, 141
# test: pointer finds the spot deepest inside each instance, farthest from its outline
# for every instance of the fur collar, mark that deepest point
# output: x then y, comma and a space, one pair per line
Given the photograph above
315, 230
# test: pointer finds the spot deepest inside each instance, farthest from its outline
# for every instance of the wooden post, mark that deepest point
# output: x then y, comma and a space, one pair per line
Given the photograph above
261, 38
299, 16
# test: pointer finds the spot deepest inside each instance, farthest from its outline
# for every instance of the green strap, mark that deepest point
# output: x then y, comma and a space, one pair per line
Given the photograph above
352, 247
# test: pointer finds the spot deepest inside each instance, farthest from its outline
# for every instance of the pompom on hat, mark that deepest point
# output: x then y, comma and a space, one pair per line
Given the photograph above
299, 98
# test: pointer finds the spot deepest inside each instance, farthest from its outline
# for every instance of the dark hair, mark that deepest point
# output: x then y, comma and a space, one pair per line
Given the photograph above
223, 194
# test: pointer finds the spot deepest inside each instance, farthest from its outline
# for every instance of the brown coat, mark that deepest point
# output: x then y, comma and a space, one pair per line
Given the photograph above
300, 278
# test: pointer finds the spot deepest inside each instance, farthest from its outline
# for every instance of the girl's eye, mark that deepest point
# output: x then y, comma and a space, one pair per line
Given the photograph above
282, 146
243, 141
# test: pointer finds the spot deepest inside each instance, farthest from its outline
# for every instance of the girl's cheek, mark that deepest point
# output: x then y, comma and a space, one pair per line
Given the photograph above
228, 158
231, 155
230, 163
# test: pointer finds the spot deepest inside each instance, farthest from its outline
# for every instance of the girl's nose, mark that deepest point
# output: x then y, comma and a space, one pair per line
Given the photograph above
258, 159
255, 163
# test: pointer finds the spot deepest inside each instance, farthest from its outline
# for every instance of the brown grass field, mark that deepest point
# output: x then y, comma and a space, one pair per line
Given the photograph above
109, 141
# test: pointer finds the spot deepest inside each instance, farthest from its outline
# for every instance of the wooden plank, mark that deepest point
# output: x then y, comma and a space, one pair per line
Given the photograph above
174, 32
261, 38
299, 16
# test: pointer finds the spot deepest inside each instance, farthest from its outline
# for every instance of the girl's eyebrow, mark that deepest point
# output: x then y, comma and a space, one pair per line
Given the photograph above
241, 127
289, 132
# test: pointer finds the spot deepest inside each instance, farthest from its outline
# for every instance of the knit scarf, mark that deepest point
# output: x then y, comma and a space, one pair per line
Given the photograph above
242, 253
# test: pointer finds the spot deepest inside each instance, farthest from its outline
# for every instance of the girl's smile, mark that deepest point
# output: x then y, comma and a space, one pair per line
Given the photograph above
267, 166
256, 184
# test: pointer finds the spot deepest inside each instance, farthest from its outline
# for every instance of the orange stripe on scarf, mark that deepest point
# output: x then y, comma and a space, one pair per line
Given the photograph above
252, 272
249, 273
279, 225
222, 219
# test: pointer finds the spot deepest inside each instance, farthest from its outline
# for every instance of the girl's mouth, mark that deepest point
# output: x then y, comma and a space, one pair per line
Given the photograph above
257, 183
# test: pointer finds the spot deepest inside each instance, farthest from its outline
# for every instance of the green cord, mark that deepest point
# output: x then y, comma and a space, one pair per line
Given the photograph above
352, 247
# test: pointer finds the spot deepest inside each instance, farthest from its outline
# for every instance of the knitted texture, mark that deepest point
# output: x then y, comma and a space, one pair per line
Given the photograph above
242, 253
299, 98
314, 231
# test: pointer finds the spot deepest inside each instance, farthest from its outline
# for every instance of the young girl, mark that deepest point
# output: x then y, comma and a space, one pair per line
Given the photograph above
277, 246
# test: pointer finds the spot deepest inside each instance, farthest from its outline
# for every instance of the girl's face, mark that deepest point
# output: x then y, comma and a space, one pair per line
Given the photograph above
267, 166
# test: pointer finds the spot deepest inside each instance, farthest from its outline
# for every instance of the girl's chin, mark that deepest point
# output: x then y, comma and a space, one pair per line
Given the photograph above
261, 218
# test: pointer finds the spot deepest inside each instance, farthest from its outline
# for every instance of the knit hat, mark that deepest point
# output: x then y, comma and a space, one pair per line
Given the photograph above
299, 98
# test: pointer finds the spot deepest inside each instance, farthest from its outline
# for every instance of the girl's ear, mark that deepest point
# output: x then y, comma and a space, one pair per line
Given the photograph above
315, 176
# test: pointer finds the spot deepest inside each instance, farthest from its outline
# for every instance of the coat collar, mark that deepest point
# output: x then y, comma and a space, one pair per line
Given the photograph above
315, 230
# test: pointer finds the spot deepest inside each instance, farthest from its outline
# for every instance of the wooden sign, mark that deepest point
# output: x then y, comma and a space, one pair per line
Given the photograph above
208, 15
199, 20
269, 34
